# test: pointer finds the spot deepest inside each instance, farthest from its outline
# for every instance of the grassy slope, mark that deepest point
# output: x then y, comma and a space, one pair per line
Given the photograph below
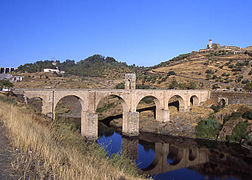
51, 150
194, 67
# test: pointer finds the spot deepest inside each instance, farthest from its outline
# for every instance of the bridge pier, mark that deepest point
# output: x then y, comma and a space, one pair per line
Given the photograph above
130, 124
89, 125
162, 115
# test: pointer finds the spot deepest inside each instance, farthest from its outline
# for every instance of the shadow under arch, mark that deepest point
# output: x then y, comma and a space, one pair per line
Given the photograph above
111, 107
69, 110
161, 151
36, 103
154, 107
178, 102
193, 154
223, 102
175, 155
194, 100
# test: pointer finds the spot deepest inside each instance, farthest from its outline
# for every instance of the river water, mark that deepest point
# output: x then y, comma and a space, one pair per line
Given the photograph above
167, 157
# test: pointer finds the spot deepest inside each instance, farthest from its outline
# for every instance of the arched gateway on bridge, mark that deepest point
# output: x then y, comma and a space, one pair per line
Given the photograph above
129, 98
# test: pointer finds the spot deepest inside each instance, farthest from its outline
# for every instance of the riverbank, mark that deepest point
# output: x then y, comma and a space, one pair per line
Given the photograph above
231, 123
181, 123
51, 150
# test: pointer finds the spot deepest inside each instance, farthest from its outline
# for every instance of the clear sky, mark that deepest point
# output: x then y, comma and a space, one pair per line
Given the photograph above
141, 32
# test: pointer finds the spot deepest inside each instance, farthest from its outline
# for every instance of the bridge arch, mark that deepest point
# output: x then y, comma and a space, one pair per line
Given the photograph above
71, 100
59, 98
178, 102
194, 100
158, 106
121, 100
122, 112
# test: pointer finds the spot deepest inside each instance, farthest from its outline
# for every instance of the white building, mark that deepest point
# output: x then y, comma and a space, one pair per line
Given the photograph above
51, 70
54, 70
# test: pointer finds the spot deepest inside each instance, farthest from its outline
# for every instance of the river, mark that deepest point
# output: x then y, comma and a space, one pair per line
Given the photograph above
167, 157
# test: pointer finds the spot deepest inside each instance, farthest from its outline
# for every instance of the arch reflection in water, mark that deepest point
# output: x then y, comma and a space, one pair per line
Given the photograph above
166, 157
169, 158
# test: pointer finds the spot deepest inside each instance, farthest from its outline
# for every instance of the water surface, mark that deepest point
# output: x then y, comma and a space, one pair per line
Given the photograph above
167, 157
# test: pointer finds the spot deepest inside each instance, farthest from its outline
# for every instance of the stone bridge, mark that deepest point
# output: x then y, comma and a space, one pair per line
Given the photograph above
129, 98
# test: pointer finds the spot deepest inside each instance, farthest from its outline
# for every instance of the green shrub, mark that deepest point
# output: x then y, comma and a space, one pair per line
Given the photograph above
209, 71
247, 115
233, 116
208, 129
245, 81
120, 85
142, 86
171, 73
248, 86
239, 133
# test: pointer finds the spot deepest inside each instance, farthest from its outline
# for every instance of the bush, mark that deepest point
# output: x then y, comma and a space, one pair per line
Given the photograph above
239, 133
208, 128
248, 87
142, 86
5, 84
120, 85
171, 73
173, 84
233, 116
248, 115
209, 71
245, 81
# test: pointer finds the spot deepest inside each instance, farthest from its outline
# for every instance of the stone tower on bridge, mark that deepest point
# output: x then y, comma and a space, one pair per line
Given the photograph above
130, 81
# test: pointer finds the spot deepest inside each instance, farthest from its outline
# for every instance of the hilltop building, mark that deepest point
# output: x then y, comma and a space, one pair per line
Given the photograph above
56, 70
212, 45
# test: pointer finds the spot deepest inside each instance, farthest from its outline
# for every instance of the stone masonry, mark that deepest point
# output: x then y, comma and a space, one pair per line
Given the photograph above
90, 98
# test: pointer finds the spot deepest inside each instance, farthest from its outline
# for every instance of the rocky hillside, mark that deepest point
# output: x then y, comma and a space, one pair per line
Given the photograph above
224, 68
207, 69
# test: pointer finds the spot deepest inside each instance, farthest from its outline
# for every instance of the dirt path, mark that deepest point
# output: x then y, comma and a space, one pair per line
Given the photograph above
5, 156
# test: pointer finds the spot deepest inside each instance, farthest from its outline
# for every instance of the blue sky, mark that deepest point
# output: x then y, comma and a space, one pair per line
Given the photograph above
141, 32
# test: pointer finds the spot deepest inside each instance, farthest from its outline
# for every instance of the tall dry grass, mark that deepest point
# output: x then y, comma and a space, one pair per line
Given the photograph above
51, 151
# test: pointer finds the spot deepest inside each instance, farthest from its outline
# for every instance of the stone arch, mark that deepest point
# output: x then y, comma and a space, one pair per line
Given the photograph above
158, 110
223, 101
80, 101
121, 99
125, 109
57, 100
76, 110
178, 102
194, 100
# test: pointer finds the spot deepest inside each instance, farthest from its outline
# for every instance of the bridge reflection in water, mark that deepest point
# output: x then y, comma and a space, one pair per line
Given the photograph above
168, 157
165, 157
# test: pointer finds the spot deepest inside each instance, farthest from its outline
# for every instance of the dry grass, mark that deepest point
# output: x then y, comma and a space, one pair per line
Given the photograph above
51, 151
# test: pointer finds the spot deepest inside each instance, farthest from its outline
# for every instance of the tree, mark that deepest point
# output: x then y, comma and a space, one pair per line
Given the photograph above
173, 84
248, 87
5, 84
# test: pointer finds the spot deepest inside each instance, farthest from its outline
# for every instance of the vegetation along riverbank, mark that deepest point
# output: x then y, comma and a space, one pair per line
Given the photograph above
50, 150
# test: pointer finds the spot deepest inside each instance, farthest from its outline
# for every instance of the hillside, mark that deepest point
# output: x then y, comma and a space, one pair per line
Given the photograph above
207, 70
93, 66
225, 68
